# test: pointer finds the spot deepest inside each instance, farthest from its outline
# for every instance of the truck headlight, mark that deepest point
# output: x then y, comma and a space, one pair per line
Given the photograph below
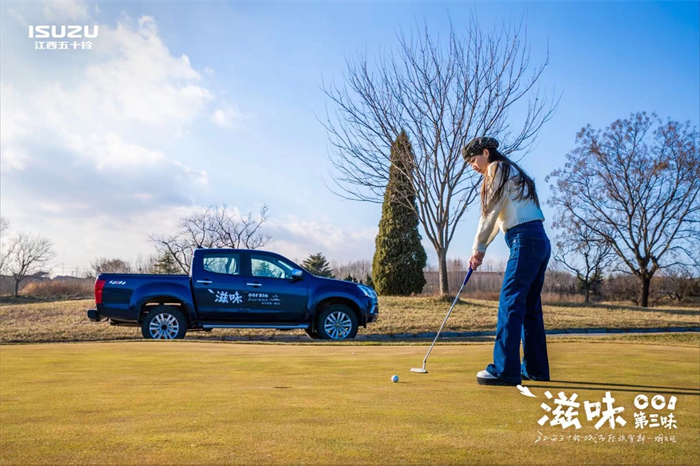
367, 291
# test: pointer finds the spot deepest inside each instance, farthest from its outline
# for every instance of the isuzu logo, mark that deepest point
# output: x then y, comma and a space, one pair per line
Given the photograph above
63, 32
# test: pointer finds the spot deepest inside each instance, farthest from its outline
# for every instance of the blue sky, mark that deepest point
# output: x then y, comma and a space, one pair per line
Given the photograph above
102, 147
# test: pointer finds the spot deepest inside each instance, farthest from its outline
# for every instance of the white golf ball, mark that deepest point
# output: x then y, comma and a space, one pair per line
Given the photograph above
394, 378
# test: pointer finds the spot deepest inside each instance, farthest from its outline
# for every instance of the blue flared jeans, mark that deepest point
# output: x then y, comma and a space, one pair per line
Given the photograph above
520, 307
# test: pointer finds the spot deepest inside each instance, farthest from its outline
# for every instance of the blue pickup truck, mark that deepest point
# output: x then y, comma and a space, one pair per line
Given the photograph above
234, 288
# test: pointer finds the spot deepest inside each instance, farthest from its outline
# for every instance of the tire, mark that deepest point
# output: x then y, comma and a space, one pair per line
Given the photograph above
164, 323
337, 322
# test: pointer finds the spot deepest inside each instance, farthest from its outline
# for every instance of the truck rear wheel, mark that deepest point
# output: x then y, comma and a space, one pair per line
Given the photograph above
164, 323
337, 322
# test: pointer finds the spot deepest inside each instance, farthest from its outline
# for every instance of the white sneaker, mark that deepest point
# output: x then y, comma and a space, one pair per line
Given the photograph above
485, 378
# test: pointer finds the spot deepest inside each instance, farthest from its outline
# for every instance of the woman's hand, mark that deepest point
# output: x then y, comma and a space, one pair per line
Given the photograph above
476, 260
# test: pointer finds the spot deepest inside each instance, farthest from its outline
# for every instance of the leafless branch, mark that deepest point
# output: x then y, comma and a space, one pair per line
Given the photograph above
29, 255
636, 187
215, 227
442, 93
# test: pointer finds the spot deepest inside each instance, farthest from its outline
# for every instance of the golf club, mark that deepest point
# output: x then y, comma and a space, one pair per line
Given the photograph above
421, 370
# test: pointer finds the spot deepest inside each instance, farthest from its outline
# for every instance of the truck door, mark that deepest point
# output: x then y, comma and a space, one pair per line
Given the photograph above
274, 294
219, 288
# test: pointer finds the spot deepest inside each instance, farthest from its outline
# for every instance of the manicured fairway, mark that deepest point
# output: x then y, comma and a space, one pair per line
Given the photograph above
209, 403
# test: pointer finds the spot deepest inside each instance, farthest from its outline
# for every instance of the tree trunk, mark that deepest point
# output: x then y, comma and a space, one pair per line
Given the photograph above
442, 267
16, 287
587, 293
644, 298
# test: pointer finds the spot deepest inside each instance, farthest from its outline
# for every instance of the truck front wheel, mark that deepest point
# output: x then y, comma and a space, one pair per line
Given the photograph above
164, 323
337, 322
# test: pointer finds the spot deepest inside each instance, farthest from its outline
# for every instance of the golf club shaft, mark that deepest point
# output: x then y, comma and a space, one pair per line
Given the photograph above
466, 279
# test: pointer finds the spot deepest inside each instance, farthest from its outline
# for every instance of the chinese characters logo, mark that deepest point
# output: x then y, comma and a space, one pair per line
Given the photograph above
565, 411
55, 34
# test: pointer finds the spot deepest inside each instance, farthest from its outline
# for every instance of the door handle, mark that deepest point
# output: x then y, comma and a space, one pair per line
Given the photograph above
254, 285
204, 282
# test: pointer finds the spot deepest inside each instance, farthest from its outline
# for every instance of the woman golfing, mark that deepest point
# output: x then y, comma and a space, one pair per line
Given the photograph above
509, 202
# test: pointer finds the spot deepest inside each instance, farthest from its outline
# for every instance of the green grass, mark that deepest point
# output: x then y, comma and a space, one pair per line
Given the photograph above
67, 321
665, 339
198, 403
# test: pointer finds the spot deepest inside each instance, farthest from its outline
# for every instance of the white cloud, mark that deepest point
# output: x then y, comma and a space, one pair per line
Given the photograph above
65, 10
135, 82
140, 80
113, 152
15, 123
106, 236
297, 238
93, 140
13, 118
12, 159
225, 115
18, 16
196, 176
92, 151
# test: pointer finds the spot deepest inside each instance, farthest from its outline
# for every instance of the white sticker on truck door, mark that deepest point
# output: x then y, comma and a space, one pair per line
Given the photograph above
226, 297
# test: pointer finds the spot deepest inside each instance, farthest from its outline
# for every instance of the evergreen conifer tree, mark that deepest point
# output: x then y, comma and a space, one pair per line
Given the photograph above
399, 257
166, 265
263, 269
318, 265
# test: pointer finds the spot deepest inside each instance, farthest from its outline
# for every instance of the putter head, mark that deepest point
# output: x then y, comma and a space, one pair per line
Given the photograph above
420, 370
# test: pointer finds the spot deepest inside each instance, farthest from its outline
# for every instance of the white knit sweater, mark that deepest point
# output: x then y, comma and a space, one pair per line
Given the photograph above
506, 213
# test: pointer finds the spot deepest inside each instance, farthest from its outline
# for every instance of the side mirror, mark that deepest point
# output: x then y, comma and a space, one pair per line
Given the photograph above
297, 275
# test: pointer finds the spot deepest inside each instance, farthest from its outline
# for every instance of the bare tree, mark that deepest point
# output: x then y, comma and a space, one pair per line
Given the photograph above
442, 93
216, 227
145, 264
491, 265
456, 265
560, 281
637, 189
359, 269
582, 253
105, 265
622, 286
30, 256
677, 283
5, 250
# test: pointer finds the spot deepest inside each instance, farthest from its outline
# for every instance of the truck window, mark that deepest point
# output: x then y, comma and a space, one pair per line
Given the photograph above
228, 263
270, 267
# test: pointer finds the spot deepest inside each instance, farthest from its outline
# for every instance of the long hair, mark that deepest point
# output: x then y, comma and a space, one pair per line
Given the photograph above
523, 183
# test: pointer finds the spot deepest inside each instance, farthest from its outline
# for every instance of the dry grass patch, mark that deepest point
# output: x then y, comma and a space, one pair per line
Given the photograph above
67, 320
418, 314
